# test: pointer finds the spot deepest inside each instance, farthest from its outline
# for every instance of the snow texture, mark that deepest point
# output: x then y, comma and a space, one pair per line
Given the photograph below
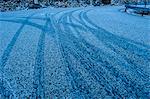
74, 53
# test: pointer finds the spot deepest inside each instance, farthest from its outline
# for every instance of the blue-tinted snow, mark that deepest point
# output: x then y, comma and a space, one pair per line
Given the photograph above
74, 53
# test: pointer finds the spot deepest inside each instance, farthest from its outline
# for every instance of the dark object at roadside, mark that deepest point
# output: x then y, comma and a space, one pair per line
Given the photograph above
106, 1
139, 10
34, 6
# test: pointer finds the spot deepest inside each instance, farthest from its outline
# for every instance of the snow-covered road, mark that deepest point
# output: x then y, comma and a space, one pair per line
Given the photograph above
74, 53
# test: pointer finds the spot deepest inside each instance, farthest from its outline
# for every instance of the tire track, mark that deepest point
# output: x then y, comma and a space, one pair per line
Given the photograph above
123, 55
22, 21
131, 44
77, 82
98, 30
69, 51
7, 52
80, 89
77, 47
127, 53
113, 70
39, 64
88, 64
139, 70
145, 79
38, 83
80, 58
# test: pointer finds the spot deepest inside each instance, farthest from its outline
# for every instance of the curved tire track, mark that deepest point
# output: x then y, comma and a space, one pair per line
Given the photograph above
124, 79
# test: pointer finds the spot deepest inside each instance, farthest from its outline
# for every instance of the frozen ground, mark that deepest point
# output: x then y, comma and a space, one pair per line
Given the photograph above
74, 53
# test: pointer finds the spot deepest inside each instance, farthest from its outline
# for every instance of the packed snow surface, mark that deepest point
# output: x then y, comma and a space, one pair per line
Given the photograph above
74, 53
